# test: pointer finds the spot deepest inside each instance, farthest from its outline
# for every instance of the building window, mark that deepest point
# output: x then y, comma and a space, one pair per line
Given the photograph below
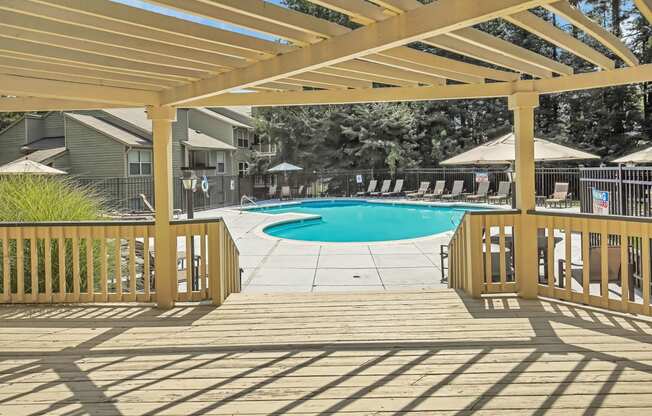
198, 159
243, 169
140, 162
217, 160
241, 137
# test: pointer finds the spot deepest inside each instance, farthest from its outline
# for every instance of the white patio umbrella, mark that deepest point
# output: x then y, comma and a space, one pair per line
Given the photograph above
502, 151
642, 156
284, 168
28, 167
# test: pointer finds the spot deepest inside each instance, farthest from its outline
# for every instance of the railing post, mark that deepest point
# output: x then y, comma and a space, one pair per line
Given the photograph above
215, 260
525, 233
165, 242
474, 258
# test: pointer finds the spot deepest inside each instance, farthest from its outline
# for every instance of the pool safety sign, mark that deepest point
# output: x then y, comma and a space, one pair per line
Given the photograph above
600, 202
481, 177
358, 178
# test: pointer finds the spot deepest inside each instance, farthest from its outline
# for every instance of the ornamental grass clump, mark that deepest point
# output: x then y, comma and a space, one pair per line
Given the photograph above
34, 199
39, 198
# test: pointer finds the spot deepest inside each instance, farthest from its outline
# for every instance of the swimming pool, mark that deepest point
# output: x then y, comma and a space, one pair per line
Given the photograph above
364, 221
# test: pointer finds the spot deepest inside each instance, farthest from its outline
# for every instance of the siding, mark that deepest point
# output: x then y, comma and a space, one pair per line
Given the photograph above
92, 154
11, 140
54, 124
211, 127
179, 134
35, 129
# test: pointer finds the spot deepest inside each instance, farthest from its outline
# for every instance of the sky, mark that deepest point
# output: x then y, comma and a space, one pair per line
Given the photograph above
208, 22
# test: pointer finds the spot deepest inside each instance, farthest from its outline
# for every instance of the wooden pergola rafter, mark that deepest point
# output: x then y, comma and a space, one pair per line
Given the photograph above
90, 54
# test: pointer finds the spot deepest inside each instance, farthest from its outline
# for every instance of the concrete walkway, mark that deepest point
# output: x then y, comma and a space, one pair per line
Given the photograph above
278, 265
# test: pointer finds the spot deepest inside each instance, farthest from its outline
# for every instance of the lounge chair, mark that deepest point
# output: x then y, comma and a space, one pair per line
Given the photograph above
560, 196
148, 206
300, 192
383, 189
271, 193
481, 193
371, 188
285, 192
423, 188
456, 192
398, 189
504, 189
437, 192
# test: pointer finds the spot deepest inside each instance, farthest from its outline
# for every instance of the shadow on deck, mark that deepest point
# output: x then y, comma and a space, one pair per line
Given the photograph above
431, 352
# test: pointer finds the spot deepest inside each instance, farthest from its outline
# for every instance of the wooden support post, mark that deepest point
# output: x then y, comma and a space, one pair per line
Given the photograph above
165, 241
525, 234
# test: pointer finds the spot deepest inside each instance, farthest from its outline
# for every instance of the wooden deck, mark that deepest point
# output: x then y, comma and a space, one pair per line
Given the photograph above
433, 353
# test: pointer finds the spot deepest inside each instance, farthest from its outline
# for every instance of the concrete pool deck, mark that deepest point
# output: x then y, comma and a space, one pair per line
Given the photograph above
272, 265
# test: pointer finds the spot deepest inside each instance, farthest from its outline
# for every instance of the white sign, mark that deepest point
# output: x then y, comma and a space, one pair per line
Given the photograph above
481, 177
358, 178
600, 202
232, 185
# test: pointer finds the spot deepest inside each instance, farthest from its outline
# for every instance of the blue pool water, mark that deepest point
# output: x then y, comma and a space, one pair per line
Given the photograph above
362, 221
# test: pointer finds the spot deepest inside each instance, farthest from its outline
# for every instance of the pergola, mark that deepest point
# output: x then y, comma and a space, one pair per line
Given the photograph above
91, 54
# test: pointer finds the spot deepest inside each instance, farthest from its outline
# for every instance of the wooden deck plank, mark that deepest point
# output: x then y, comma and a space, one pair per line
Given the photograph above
430, 352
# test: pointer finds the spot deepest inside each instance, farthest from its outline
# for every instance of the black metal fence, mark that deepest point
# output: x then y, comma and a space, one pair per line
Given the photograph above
123, 194
628, 188
345, 183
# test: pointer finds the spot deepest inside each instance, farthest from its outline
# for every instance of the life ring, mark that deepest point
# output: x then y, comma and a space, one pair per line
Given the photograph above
204, 184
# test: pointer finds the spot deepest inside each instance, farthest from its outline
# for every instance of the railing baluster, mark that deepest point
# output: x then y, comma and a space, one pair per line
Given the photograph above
75, 264
132, 264
502, 259
624, 267
104, 266
189, 260
6, 270
568, 236
586, 262
90, 263
645, 258
118, 263
20, 266
604, 264
146, 264
204, 259
62, 265
47, 248
33, 254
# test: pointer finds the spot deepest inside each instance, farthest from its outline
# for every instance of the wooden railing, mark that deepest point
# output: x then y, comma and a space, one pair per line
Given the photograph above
609, 264
113, 262
601, 261
478, 264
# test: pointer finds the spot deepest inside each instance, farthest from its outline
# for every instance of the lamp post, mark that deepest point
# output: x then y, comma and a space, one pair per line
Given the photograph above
189, 181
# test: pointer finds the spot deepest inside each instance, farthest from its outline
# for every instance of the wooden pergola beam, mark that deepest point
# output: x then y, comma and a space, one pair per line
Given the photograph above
56, 41
39, 63
496, 45
96, 60
481, 40
534, 24
131, 21
12, 85
449, 65
371, 77
421, 68
431, 20
92, 36
622, 76
579, 20
31, 104
473, 51
254, 15
645, 7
